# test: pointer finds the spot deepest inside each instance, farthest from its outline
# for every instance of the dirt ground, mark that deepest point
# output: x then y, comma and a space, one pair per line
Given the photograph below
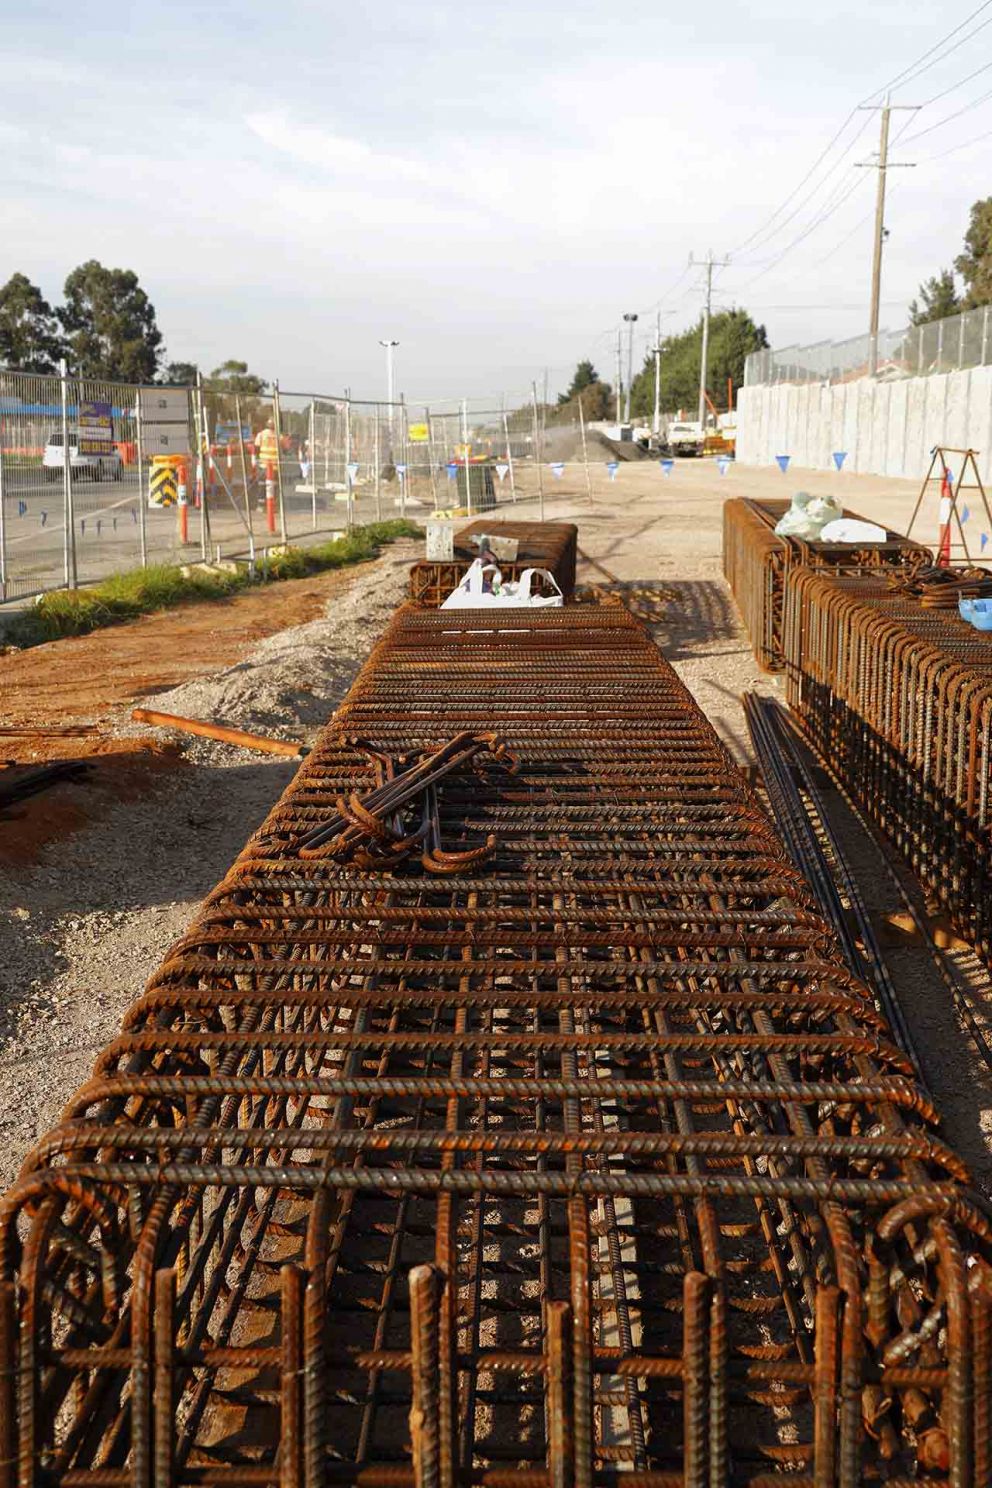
91, 898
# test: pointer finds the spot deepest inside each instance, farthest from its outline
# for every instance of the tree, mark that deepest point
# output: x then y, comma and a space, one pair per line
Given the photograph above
975, 263
733, 336
585, 376
29, 328
110, 326
939, 298
232, 379
181, 374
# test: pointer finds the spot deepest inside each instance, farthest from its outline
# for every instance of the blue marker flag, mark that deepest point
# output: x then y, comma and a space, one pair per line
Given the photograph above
44, 518
557, 469
22, 507
985, 538
667, 466
839, 457
722, 464
612, 466
782, 461
452, 470
965, 514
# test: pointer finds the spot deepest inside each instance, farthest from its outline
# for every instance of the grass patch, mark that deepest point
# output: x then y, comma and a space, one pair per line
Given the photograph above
162, 586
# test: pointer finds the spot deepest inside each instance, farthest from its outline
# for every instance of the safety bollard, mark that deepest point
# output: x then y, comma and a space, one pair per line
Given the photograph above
183, 506
270, 498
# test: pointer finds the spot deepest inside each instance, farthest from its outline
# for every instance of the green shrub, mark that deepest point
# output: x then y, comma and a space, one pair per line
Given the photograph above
161, 586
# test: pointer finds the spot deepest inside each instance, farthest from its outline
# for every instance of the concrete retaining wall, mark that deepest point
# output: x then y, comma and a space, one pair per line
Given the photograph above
887, 428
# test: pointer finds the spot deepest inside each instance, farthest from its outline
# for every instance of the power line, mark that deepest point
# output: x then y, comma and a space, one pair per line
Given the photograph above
915, 70
951, 117
960, 82
954, 148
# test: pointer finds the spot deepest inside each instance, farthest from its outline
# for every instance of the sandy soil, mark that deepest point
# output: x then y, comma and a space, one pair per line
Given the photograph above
85, 918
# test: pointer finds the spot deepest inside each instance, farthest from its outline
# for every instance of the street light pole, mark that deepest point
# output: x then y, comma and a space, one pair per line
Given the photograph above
656, 422
630, 317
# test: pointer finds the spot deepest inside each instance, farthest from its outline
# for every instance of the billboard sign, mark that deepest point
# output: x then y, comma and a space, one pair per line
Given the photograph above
96, 428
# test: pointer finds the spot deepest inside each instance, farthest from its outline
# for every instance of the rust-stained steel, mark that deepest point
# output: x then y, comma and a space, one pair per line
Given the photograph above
548, 545
591, 1162
898, 696
757, 564
205, 730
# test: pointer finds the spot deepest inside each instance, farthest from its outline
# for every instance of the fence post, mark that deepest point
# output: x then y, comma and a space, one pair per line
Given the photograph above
142, 516
539, 450
203, 445
244, 482
3, 533
919, 350
430, 456
376, 436
985, 336
509, 455
940, 346
466, 453
406, 455
585, 451
348, 483
276, 415
960, 342
71, 576
312, 468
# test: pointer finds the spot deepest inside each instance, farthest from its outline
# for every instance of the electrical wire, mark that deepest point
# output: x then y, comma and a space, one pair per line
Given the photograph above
950, 117
807, 231
965, 144
914, 70
960, 82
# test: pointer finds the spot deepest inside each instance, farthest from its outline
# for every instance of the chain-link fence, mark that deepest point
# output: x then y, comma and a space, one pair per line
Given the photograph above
948, 345
97, 478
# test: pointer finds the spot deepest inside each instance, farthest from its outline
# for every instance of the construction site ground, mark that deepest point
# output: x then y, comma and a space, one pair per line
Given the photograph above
99, 876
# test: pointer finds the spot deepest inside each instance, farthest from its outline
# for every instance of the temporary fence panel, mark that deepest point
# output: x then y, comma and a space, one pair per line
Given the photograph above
947, 345
76, 460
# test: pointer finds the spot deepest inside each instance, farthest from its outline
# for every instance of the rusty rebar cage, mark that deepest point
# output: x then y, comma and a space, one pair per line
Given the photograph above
590, 1164
899, 697
550, 545
757, 564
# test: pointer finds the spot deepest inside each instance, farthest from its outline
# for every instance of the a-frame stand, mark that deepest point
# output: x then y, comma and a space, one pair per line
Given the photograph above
939, 470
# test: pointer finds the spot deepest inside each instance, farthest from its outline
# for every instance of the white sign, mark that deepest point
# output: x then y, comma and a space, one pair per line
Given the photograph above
164, 439
163, 405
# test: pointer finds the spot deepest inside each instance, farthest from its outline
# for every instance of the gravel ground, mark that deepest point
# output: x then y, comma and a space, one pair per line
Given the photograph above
85, 926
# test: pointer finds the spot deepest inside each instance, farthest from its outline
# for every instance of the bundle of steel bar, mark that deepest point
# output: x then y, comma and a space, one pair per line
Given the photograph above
550, 545
18, 781
898, 696
757, 564
593, 1162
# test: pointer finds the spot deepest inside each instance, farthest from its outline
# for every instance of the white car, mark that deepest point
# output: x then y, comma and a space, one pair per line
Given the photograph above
686, 438
107, 465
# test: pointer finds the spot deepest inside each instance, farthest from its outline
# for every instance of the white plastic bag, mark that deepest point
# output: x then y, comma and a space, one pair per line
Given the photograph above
850, 530
471, 593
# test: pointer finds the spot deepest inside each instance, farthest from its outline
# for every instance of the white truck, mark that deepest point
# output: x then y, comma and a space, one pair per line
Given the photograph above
686, 437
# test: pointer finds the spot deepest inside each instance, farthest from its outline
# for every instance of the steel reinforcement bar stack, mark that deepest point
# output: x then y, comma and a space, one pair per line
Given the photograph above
898, 696
589, 1164
550, 545
757, 564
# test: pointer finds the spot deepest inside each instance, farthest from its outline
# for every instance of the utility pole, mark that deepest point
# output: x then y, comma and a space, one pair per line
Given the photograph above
882, 165
656, 422
619, 372
709, 264
629, 318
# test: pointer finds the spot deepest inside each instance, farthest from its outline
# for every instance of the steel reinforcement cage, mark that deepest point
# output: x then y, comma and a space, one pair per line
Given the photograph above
757, 563
898, 696
550, 545
590, 1161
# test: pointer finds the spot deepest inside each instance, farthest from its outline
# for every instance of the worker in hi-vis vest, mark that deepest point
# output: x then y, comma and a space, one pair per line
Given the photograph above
267, 448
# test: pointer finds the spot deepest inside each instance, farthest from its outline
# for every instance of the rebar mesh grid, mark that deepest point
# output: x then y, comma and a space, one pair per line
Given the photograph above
757, 564
899, 697
592, 1164
550, 545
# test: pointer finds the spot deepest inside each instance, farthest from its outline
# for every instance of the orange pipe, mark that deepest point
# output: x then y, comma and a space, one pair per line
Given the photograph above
217, 731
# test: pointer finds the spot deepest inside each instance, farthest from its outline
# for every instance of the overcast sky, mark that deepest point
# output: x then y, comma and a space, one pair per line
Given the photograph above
492, 185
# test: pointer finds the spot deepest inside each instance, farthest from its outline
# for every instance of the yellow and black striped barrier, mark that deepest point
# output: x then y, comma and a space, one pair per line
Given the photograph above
162, 484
